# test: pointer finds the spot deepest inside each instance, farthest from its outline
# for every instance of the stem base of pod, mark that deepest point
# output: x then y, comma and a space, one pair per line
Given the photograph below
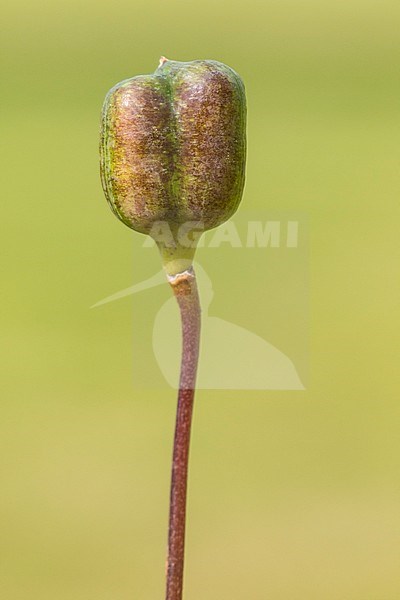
176, 259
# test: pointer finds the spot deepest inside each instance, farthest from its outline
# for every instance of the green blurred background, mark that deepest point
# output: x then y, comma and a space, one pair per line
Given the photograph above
292, 494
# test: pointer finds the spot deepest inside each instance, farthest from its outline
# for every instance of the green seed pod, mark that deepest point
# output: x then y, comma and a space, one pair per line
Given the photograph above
173, 150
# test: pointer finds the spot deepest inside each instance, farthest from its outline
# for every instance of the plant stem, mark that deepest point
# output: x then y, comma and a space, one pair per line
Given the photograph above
185, 290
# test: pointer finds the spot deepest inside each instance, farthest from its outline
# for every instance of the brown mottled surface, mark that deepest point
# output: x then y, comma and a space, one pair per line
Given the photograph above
208, 108
140, 152
173, 145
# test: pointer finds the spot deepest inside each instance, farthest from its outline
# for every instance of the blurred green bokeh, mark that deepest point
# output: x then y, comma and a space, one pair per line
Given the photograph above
292, 494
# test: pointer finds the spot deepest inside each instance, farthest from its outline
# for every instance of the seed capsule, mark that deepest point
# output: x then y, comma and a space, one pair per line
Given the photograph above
173, 147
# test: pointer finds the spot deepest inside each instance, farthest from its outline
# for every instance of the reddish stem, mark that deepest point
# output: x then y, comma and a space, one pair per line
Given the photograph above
185, 290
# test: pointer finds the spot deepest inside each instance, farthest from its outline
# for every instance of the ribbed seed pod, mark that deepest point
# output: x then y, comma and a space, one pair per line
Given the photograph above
173, 151
173, 146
